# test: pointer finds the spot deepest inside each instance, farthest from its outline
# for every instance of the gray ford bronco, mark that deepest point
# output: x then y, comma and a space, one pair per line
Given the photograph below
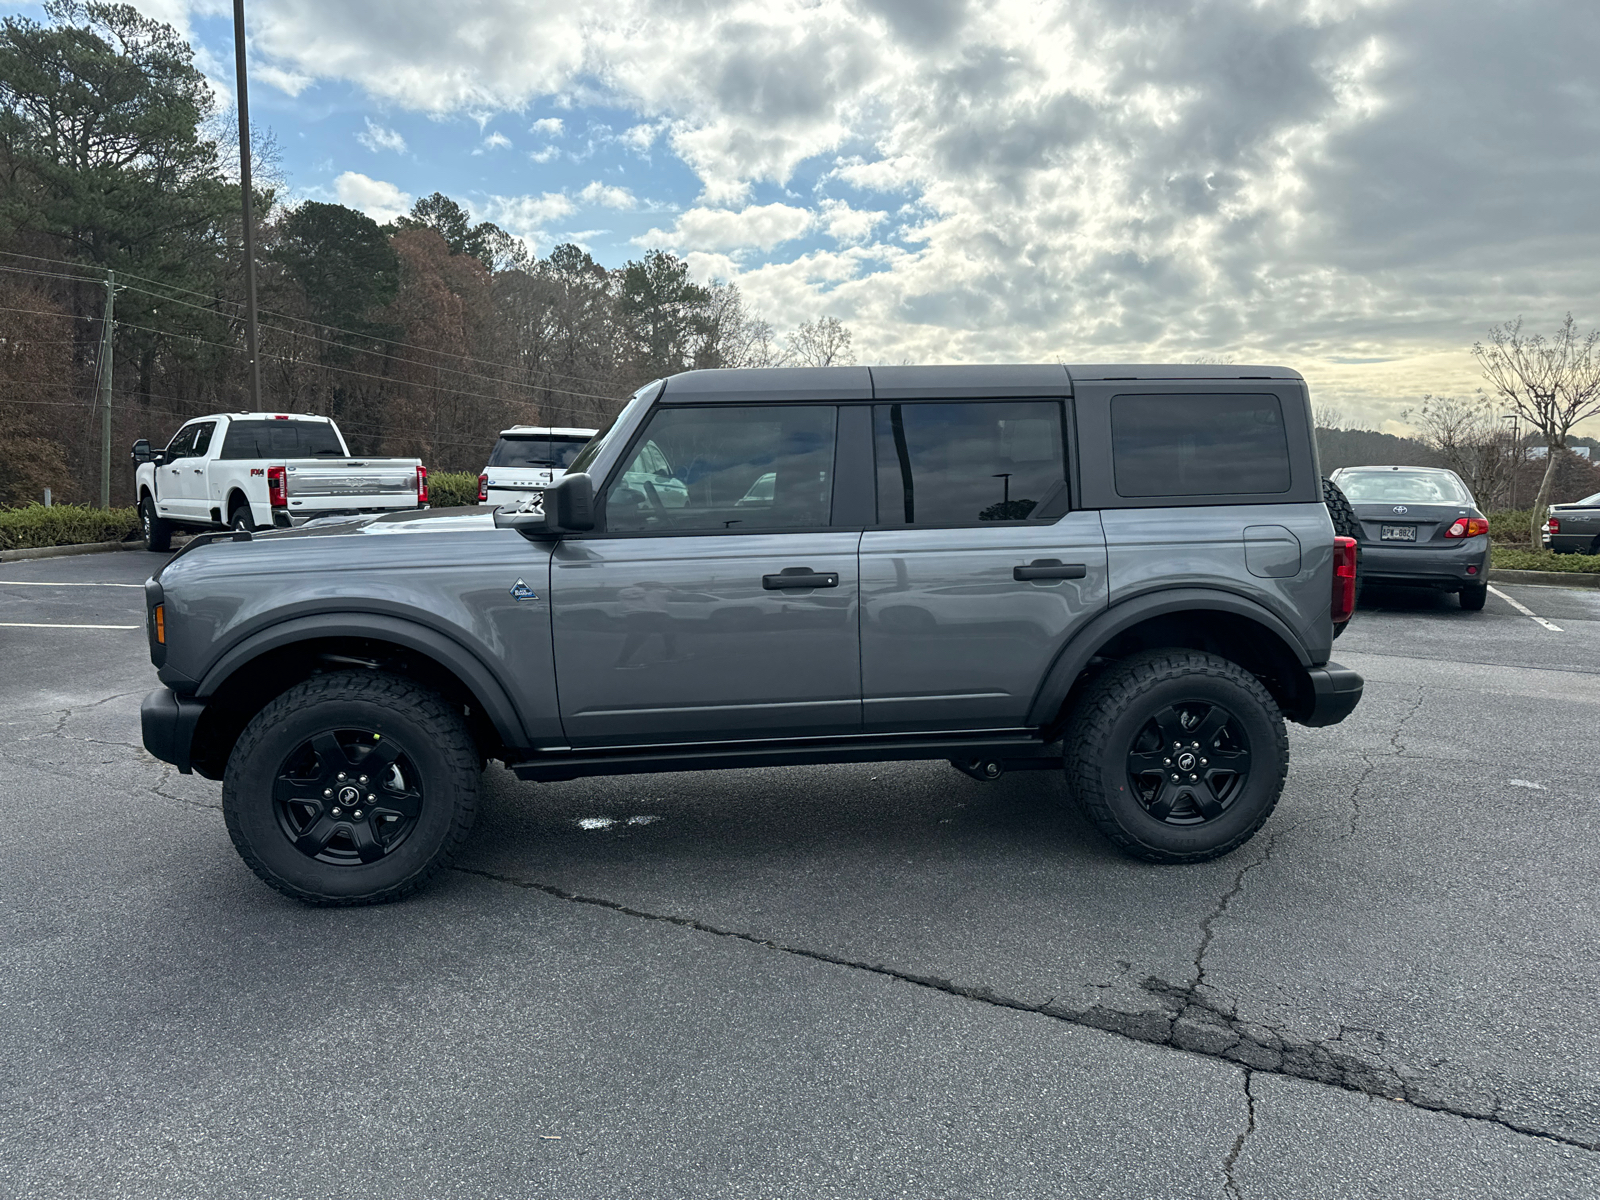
1126, 573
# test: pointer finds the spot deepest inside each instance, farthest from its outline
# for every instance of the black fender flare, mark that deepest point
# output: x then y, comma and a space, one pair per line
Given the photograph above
1075, 655
446, 651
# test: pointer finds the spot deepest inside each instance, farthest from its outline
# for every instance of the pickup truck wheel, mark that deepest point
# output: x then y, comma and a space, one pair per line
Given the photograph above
239, 518
1176, 755
351, 788
157, 532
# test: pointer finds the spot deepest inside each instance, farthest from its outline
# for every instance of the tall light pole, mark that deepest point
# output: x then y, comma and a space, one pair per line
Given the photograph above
1516, 442
249, 219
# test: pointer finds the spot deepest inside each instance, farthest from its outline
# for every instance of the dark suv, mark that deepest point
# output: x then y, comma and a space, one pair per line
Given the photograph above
1124, 572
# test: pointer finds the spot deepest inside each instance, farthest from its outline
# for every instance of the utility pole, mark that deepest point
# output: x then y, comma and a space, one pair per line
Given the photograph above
105, 389
249, 220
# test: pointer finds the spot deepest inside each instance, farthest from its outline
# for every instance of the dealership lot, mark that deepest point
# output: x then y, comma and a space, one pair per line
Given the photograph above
854, 981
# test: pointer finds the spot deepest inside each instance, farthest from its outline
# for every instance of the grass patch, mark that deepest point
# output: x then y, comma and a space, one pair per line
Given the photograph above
36, 526
1544, 560
449, 489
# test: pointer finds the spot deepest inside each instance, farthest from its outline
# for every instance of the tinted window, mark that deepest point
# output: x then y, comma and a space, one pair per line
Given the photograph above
202, 437
959, 464
182, 442
1198, 445
1402, 487
727, 469
557, 452
281, 439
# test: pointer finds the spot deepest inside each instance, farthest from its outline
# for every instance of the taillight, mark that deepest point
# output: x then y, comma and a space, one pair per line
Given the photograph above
1466, 527
483, 489
277, 487
422, 485
1344, 579
1553, 525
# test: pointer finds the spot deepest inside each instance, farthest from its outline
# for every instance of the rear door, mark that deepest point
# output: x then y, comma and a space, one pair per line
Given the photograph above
976, 571
713, 603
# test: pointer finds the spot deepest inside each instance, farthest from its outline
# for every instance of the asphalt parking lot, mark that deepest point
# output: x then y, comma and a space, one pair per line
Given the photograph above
859, 981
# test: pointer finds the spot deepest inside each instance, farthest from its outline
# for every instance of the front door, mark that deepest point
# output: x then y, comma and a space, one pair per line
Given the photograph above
169, 474
716, 601
193, 484
977, 573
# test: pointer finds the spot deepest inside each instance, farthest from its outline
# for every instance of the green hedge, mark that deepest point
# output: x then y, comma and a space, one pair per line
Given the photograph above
1544, 560
65, 525
448, 489
1510, 526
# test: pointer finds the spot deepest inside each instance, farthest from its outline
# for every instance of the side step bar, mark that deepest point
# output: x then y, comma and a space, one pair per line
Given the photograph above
1013, 749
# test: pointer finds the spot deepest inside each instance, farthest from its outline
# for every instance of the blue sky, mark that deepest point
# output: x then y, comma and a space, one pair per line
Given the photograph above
1356, 188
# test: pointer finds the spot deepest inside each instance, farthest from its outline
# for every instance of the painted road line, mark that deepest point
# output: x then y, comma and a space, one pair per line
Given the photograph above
35, 583
1525, 610
51, 625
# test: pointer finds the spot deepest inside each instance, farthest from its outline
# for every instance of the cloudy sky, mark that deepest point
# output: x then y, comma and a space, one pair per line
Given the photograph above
1356, 189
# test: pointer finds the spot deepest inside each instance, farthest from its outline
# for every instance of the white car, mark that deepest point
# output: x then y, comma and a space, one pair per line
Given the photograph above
528, 458
264, 470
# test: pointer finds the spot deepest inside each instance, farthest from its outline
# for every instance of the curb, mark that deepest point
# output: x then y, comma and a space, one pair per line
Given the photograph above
64, 551
1571, 579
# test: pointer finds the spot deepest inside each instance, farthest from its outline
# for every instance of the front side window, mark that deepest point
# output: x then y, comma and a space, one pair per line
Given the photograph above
182, 443
1201, 445
966, 463
727, 469
202, 437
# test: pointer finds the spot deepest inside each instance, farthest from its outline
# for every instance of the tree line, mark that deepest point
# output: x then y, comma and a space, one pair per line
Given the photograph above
423, 337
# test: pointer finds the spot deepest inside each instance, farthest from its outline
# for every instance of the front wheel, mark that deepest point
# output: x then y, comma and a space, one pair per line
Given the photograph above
157, 532
351, 788
1176, 755
1474, 596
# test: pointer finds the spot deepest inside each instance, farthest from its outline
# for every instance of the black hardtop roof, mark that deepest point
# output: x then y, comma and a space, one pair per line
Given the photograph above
934, 382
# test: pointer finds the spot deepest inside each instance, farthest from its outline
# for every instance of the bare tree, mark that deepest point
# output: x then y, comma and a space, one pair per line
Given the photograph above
1326, 416
1471, 440
824, 342
1552, 385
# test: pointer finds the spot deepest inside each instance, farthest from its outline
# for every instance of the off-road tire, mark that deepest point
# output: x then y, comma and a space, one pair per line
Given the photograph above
1345, 524
157, 532
1107, 719
239, 517
1474, 596
435, 741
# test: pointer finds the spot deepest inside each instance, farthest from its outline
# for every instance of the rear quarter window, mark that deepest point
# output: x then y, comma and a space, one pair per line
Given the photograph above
1198, 445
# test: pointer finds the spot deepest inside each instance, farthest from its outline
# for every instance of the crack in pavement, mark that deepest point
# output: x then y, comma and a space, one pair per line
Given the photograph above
1184, 1021
1394, 741
1230, 1183
1206, 931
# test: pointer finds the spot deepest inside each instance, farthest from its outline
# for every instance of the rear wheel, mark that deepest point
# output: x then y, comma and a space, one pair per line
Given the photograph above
1176, 755
239, 518
351, 788
157, 532
1345, 524
1474, 596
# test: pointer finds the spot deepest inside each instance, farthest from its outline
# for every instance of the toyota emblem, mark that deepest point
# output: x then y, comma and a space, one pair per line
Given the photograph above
1400, 508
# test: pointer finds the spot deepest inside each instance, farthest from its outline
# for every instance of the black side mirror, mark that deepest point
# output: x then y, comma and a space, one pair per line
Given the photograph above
142, 452
569, 504
566, 506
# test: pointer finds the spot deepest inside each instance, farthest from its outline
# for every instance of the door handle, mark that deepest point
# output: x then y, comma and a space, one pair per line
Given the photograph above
800, 577
1049, 568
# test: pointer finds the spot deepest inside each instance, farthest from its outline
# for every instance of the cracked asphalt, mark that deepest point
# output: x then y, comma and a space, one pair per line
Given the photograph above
855, 981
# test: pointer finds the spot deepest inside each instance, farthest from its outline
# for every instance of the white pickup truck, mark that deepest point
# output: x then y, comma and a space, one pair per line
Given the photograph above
253, 470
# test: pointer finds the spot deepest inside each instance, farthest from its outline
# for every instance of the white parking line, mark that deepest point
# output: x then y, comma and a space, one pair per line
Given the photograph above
37, 583
1525, 610
51, 625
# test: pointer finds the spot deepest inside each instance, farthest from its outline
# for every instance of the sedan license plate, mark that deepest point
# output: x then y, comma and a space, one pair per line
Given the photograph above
1399, 533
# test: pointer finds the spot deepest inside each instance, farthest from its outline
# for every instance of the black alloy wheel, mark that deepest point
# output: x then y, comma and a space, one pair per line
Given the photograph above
1189, 763
352, 787
1176, 755
347, 796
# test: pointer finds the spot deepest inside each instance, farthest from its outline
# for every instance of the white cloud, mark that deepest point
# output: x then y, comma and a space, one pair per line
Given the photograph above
527, 216
378, 138
545, 155
606, 196
381, 201
495, 141
847, 225
760, 226
547, 127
